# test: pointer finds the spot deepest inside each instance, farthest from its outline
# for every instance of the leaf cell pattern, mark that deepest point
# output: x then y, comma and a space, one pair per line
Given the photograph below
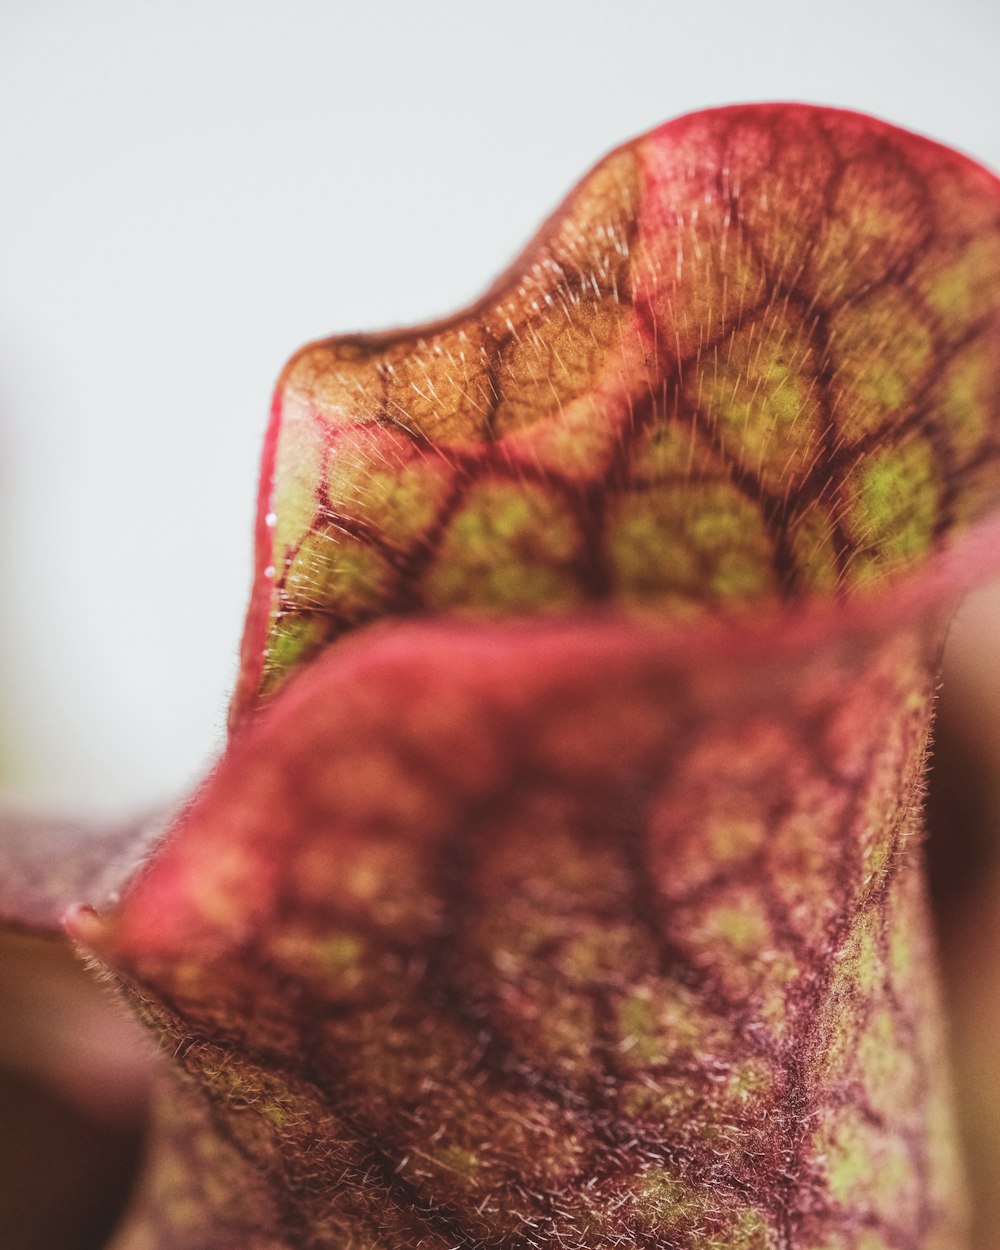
467, 946
753, 356
604, 929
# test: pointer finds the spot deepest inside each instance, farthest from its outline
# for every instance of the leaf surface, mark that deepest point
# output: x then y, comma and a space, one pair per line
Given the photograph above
751, 359
603, 927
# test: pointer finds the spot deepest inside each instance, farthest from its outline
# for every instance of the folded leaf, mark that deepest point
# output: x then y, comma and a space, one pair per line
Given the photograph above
751, 358
555, 935
604, 928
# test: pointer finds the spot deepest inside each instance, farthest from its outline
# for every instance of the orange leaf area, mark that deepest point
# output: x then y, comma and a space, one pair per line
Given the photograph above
751, 357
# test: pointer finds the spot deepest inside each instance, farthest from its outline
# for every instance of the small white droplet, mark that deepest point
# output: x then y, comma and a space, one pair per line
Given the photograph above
269, 571
271, 520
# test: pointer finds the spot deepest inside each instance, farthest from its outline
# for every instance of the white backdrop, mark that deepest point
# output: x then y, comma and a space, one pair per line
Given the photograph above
190, 190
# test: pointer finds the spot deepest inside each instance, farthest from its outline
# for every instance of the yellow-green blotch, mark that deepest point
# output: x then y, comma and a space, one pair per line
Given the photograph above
508, 548
690, 540
759, 390
894, 504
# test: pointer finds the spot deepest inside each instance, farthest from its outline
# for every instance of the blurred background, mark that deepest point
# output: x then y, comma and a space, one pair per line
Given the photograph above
192, 190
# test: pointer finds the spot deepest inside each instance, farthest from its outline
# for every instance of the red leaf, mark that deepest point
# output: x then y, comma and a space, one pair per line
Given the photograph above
752, 357
605, 928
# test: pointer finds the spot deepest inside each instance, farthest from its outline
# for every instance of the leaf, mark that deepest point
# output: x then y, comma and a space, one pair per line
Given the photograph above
604, 927
49, 863
751, 358
555, 934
